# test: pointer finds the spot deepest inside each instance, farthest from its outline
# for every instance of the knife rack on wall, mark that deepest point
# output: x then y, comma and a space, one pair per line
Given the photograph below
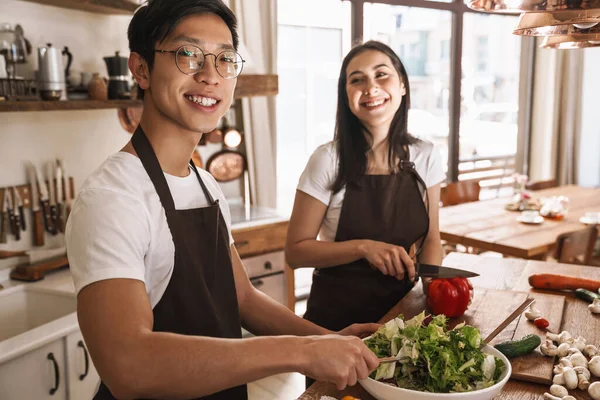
25, 191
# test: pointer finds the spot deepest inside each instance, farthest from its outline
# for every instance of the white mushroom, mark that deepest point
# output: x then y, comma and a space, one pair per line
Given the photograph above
569, 398
567, 378
562, 364
573, 350
578, 360
563, 349
548, 396
595, 306
549, 348
532, 313
594, 390
583, 377
579, 343
559, 391
590, 350
594, 366
563, 337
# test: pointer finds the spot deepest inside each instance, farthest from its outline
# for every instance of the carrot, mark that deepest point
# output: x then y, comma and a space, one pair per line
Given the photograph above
562, 282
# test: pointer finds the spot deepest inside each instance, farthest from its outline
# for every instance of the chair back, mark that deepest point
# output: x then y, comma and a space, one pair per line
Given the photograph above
539, 185
459, 192
576, 247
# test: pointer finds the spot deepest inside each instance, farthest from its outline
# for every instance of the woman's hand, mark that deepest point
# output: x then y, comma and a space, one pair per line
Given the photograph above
360, 330
389, 259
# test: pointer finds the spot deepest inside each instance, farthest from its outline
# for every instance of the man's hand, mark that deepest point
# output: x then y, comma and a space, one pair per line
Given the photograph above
341, 360
360, 330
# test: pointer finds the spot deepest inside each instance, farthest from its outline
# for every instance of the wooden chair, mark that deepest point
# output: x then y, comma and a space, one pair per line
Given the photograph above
576, 247
539, 185
459, 192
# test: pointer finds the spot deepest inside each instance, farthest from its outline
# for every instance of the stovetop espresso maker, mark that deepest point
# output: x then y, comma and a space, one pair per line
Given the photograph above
118, 77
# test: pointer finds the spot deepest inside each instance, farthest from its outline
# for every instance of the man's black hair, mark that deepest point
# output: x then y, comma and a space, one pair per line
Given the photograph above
155, 21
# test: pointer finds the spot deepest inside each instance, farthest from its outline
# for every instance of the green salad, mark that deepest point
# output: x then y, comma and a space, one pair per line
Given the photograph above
432, 358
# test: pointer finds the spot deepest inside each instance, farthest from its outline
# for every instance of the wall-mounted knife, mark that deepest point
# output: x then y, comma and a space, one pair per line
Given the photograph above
67, 188
4, 224
52, 203
60, 197
38, 228
16, 230
19, 205
44, 200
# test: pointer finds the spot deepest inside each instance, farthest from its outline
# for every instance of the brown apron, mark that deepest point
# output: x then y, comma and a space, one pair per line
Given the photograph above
384, 208
200, 298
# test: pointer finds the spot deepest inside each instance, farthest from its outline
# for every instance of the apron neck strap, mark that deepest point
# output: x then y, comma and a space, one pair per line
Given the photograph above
209, 196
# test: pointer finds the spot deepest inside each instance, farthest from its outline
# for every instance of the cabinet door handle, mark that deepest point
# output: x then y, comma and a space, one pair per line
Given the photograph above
56, 374
87, 361
268, 265
257, 282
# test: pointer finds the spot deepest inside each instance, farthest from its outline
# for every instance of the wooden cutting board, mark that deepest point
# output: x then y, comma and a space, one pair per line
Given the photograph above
489, 308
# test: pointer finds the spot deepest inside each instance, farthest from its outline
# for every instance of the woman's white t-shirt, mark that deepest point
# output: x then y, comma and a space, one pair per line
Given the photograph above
118, 227
321, 171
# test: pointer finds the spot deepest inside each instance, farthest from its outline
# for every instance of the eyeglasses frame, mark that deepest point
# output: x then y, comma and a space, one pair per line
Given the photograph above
216, 56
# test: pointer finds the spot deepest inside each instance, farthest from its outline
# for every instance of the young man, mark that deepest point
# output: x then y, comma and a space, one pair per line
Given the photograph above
162, 292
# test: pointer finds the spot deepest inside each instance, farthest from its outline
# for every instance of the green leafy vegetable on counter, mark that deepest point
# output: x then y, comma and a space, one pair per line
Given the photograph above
433, 358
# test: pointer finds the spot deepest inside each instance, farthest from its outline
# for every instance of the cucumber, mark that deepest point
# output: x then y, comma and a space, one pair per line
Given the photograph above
516, 348
586, 295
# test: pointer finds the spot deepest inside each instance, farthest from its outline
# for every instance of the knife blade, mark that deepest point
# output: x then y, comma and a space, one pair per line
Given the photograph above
36, 222
15, 229
67, 189
52, 202
4, 224
19, 205
60, 197
437, 271
44, 204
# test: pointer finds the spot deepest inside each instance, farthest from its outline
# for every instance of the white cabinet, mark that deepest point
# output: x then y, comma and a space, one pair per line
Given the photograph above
82, 377
39, 374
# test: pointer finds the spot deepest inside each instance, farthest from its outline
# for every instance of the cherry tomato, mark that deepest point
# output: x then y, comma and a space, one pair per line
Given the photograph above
541, 322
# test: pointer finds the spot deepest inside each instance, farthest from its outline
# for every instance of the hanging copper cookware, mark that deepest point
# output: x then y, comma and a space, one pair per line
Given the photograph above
566, 42
579, 24
226, 165
519, 6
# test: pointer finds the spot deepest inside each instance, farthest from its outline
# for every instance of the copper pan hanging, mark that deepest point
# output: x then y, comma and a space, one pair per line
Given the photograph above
226, 165
566, 42
519, 6
578, 24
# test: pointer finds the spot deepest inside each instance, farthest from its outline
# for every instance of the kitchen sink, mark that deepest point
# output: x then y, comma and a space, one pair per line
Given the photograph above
23, 308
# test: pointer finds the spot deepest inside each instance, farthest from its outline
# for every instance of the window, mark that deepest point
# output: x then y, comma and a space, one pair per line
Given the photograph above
311, 46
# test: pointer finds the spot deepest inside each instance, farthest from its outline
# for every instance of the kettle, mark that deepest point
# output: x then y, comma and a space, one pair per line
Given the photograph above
51, 75
118, 80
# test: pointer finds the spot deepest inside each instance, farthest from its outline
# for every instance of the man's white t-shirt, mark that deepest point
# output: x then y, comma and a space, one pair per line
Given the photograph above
322, 168
118, 228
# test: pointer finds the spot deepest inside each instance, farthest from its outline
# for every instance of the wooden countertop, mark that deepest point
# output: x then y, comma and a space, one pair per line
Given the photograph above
502, 274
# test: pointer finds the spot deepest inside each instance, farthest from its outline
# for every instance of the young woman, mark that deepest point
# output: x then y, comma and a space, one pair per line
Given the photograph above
369, 196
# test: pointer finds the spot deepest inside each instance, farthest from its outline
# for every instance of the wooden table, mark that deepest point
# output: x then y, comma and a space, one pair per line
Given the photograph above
488, 226
502, 274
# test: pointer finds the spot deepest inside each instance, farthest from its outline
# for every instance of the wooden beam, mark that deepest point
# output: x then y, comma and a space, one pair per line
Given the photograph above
256, 85
96, 6
7, 106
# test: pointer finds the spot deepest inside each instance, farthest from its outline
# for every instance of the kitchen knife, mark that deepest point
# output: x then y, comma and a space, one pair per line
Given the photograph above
44, 200
437, 271
38, 227
67, 189
19, 205
60, 198
4, 224
52, 203
16, 230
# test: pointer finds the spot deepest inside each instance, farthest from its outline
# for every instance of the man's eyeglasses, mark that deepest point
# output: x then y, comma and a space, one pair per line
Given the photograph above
190, 60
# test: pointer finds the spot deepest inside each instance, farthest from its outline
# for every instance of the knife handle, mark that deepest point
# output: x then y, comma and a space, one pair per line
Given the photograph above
54, 216
22, 217
61, 217
47, 216
4, 226
38, 228
16, 220
11, 221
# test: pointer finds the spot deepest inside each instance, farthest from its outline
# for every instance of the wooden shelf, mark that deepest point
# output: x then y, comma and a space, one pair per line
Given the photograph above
66, 105
96, 6
247, 86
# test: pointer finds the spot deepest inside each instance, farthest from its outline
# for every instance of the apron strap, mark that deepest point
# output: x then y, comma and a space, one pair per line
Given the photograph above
146, 153
210, 198
409, 166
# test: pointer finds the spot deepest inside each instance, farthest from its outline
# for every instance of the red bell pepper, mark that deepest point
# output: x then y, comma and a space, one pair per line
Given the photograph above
450, 297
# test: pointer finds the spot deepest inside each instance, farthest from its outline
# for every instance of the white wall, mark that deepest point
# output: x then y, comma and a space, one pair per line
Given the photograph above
589, 151
82, 138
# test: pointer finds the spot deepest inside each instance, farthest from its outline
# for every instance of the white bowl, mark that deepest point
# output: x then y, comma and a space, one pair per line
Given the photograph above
382, 391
